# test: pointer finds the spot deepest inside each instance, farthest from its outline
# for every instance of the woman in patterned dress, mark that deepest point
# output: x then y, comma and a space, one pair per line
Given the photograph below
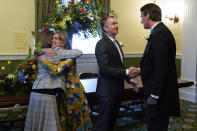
73, 110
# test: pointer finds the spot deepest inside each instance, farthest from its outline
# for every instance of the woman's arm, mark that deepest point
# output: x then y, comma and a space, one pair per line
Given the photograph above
56, 68
38, 52
49, 51
67, 54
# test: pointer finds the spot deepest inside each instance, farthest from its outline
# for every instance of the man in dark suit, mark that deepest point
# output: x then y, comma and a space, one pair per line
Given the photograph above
111, 74
158, 71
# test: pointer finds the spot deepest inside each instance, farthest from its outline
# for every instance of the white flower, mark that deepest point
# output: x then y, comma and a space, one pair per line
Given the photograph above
121, 44
26, 76
146, 37
11, 76
90, 16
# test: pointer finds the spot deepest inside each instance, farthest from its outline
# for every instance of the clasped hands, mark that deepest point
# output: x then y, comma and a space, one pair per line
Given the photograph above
133, 73
48, 51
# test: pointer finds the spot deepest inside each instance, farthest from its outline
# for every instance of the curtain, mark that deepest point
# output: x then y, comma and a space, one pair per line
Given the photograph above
41, 12
106, 4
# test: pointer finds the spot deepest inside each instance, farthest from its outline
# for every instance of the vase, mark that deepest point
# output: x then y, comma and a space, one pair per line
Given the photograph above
70, 37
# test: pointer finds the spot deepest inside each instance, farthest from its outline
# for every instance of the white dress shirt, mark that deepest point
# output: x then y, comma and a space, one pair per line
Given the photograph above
117, 47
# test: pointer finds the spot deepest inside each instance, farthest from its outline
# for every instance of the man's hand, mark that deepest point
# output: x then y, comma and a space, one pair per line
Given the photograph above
138, 71
151, 101
134, 84
49, 51
133, 72
151, 106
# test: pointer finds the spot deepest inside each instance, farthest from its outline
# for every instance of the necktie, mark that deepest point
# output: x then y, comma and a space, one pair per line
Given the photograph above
117, 46
147, 46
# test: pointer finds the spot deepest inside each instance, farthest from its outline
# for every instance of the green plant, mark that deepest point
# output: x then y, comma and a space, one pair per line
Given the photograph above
20, 80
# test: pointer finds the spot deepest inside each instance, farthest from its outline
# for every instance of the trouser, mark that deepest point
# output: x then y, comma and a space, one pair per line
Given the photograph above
155, 121
108, 111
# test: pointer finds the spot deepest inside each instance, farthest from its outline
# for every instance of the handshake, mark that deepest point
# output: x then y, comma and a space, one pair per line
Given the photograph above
133, 73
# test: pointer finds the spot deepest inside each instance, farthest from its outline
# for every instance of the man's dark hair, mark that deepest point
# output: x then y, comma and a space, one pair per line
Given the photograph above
103, 22
153, 10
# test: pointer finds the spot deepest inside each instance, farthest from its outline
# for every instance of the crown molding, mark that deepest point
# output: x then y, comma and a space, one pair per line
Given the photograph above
84, 56
13, 57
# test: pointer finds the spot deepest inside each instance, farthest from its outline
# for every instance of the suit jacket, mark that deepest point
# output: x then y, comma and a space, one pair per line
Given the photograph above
111, 69
158, 70
44, 79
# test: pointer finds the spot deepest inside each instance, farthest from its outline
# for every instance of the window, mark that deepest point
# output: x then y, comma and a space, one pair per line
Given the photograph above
86, 45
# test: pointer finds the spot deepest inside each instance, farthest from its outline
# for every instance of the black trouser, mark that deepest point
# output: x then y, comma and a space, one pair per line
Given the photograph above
155, 121
108, 111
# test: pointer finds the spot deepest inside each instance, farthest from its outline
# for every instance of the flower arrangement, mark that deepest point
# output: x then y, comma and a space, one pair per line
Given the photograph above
76, 16
19, 81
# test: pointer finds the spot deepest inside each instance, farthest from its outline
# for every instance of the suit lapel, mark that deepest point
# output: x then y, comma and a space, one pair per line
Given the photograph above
146, 48
153, 32
112, 47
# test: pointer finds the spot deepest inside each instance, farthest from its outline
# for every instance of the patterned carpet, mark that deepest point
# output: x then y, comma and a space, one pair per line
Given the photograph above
130, 120
137, 121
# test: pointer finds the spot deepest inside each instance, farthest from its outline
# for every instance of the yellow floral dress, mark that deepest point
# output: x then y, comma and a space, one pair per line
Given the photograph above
73, 111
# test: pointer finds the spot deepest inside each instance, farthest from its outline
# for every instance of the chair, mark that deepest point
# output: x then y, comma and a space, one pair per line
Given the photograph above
91, 97
88, 75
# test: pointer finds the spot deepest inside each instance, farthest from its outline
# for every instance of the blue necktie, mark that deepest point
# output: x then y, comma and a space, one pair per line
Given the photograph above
147, 46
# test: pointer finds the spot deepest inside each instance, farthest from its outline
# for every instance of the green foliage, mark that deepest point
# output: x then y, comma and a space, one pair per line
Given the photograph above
13, 83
